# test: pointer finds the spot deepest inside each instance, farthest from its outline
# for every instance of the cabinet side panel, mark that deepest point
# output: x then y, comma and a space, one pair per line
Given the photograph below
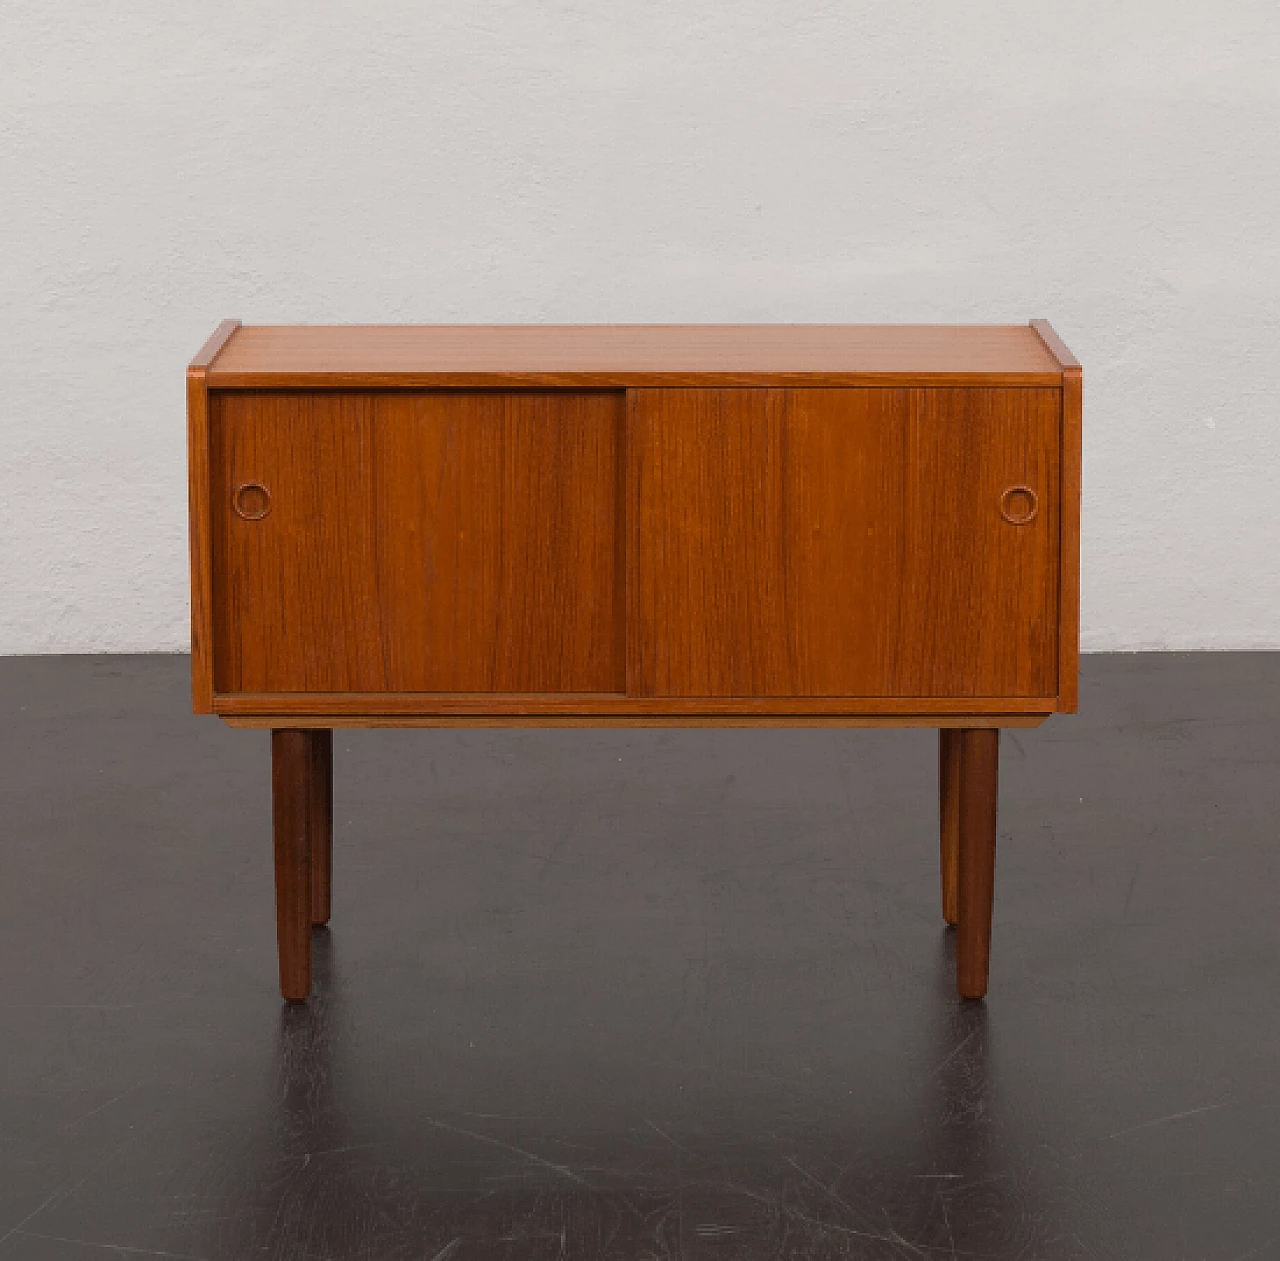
420, 541
1069, 598
200, 542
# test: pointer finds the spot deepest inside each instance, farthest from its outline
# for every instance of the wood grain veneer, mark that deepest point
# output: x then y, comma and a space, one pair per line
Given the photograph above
1072, 440
200, 505
809, 543
622, 356
417, 542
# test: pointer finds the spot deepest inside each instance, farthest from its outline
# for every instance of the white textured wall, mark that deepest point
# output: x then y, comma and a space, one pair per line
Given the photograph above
1114, 166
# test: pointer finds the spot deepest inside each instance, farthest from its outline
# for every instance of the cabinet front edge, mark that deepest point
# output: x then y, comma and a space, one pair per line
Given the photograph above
219, 380
323, 721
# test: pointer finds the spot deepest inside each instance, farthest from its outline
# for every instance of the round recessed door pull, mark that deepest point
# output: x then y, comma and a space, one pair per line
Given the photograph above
252, 501
1019, 505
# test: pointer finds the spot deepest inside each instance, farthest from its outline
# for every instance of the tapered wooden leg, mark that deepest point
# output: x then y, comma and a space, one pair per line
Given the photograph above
979, 756
949, 818
292, 776
321, 825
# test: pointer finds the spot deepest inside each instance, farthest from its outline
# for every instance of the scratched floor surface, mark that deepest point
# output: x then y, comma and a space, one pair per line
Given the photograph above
641, 994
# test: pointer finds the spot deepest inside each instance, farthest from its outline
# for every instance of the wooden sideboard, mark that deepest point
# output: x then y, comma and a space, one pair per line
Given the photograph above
798, 525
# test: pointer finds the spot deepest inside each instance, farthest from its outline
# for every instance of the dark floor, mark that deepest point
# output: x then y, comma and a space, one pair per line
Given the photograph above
641, 994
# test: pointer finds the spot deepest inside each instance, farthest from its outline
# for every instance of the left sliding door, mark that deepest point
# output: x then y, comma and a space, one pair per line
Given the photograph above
426, 541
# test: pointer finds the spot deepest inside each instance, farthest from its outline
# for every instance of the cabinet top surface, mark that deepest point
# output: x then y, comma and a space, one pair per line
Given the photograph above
620, 355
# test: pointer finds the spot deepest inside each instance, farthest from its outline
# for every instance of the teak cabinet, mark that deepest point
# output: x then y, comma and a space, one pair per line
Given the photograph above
660, 526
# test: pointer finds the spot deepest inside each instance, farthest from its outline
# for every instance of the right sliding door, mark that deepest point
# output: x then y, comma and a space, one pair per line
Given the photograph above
843, 542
